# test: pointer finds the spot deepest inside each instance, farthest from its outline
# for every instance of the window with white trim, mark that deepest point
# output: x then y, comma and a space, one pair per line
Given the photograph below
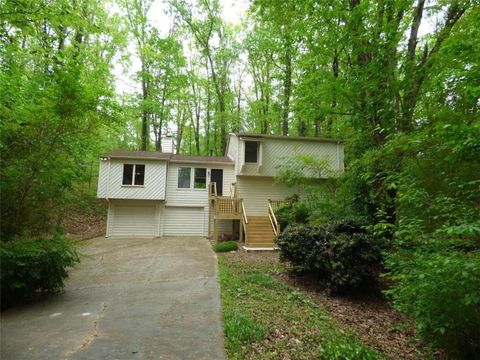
184, 176
251, 151
133, 174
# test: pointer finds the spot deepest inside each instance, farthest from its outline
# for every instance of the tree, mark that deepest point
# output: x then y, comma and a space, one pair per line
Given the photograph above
56, 97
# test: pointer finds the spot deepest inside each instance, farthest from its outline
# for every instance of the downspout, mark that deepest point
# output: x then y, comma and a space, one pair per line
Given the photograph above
108, 200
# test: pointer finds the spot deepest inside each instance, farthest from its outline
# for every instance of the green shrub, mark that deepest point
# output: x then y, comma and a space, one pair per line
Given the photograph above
299, 245
294, 212
344, 253
29, 268
225, 246
442, 292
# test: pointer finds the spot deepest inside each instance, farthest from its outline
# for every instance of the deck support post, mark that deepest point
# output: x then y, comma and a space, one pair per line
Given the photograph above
215, 230
241, 231
210, 205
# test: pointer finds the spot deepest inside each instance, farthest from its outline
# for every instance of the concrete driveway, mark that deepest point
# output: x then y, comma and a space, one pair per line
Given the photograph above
127, 299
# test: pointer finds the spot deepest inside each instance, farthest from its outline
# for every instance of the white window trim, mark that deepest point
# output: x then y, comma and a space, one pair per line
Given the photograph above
133, 176
192, 179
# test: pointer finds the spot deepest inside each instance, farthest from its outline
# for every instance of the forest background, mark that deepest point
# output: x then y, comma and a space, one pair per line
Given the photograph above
398, 81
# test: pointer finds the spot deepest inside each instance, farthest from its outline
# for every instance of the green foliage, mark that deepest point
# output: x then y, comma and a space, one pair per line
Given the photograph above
225, 246
346, 348
441, 290
344, 253
241, 329
29, 268
293, 212
57, 99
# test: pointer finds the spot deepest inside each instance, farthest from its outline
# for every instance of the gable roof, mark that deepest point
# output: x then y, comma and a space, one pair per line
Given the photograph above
156, 155
201, 159
137, 154
288, 137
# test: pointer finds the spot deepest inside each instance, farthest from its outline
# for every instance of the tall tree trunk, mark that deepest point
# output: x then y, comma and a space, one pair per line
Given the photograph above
287, 86
144, 134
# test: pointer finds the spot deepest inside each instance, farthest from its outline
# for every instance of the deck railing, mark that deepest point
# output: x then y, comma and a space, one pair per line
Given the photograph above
273, 205
276, 203
273, 221
212, 189
227, 206
233, 190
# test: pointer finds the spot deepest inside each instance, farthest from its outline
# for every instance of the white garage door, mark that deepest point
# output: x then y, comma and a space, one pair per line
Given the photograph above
133, 220
184, 221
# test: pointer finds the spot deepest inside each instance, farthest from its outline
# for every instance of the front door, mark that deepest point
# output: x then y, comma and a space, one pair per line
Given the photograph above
216, 176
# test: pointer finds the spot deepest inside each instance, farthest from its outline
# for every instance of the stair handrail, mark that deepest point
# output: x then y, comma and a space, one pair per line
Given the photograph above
273, 219
245, 222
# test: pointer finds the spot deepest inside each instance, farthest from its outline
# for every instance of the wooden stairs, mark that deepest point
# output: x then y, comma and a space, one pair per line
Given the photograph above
260, 233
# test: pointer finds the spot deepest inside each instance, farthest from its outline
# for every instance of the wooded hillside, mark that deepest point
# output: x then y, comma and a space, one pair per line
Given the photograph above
398, 81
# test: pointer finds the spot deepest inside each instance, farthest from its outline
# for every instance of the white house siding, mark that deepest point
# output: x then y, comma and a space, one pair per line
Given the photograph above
184, 221
102, 180
111, 176
256, 192
276, 151
134, 218
194, 197
232, 151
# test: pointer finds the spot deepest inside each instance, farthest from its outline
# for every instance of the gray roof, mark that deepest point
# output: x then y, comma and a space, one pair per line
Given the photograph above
136, 154
288, 137
201, 159
156, 155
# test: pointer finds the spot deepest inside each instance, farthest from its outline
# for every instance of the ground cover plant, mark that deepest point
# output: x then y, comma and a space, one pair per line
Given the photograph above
266, 318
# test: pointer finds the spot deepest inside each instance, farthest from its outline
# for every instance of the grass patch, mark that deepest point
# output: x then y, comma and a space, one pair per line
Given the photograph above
225, 246
266, 318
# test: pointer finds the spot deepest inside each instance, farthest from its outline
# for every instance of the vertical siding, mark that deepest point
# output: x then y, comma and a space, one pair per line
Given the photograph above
276, 151
194, 197
110, 180
102, 179
256, 192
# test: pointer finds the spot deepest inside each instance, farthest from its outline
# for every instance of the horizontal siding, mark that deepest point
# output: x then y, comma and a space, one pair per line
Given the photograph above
133, 218
184, 221
256, 192
110, 180
194, 197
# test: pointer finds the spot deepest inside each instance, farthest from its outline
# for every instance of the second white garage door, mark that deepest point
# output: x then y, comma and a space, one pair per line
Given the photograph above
184, 221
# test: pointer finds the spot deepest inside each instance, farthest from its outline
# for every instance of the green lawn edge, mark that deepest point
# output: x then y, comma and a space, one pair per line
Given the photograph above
266, 318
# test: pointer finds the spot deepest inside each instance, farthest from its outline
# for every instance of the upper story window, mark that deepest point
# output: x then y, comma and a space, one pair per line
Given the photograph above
133, 174
185, 178
251, 151
184, 175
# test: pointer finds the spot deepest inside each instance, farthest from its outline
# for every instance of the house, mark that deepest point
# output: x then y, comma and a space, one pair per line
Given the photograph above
166, 194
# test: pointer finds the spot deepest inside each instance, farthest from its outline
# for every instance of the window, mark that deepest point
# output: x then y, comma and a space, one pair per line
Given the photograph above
200, 179
184, 178
251, 151
133, 174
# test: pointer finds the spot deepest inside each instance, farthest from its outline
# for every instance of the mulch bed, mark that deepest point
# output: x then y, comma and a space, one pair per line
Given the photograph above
370, 316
